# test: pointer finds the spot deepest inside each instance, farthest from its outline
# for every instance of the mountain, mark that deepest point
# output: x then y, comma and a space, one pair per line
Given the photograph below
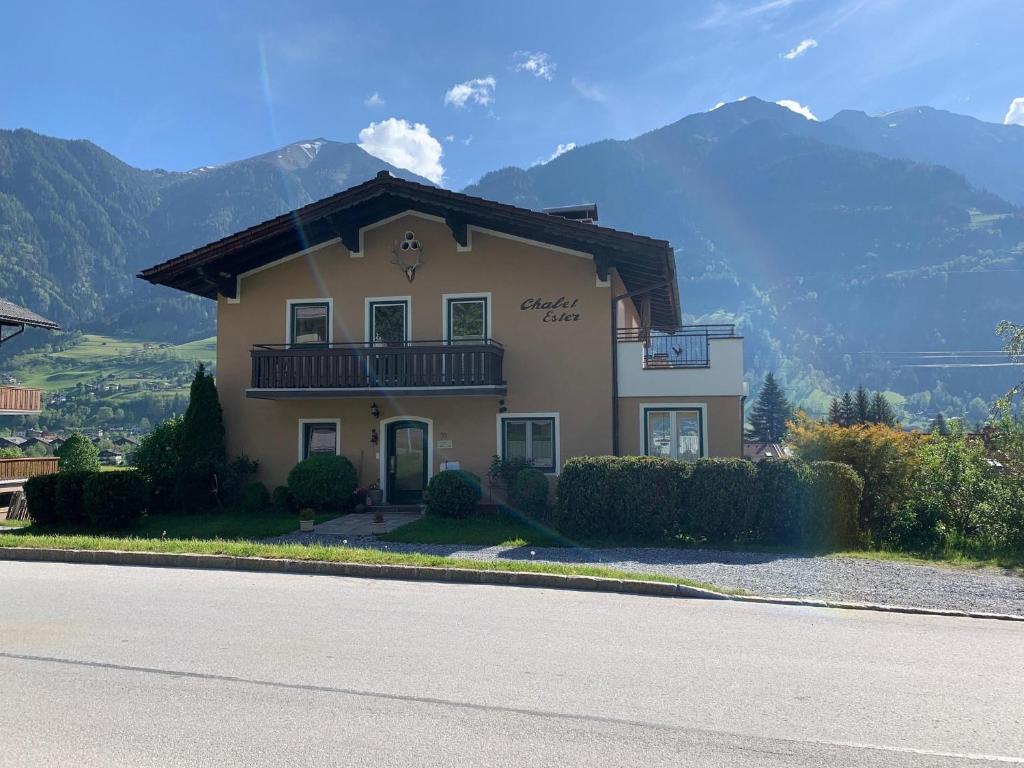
842, 265
849, 250
76, 223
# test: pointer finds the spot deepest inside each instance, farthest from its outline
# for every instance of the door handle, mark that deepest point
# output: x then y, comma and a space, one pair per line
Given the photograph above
391, 464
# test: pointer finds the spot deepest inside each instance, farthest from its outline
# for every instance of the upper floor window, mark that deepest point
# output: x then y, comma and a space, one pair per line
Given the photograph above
467, 319
674, 433
309, 322
388, 321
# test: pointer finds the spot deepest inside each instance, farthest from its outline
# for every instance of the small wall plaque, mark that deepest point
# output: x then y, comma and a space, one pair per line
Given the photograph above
444, 443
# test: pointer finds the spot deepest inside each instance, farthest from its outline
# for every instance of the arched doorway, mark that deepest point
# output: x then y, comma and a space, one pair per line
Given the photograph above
406, 458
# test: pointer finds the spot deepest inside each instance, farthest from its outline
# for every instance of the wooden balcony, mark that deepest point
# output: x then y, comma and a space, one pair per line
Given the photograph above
17, 400
13, 472
415, 368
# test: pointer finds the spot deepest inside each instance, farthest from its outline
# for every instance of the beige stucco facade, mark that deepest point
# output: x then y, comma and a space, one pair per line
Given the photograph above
556, 360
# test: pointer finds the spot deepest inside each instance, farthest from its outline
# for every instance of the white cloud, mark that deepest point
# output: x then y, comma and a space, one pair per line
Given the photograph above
731, 14
800, 48
468, 140
797, 107
1015, 114
374, 100
480, 91
450, 137
405, 145
560, 150
589, 90
537, 64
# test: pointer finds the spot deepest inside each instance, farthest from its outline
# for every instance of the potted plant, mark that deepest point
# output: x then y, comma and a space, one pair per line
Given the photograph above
374, 495
306, 519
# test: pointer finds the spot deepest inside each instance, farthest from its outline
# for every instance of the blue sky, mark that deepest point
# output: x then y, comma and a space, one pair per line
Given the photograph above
466, 87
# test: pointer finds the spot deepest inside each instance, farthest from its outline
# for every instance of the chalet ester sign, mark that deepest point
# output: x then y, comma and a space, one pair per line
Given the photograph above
560, 310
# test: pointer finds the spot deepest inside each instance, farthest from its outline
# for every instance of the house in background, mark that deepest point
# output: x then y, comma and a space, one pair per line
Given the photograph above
409, 327
20, 401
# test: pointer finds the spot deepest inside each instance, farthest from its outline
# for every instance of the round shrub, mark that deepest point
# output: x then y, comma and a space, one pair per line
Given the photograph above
255, 498
283, 500
832, 515
530, 492
41, 495
323, 482
77, 454
453, 493
113, 500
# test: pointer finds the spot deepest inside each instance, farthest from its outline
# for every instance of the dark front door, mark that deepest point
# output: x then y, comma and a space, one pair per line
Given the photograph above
406, 461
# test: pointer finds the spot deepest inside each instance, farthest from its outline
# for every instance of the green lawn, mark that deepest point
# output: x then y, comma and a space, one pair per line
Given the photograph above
482, 530
323, 554
227, 526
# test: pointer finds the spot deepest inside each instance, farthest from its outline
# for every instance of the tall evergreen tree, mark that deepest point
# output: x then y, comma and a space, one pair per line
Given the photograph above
939, 424
881, 412
202, 442
847, 410
835, 412
861, 406
770, 413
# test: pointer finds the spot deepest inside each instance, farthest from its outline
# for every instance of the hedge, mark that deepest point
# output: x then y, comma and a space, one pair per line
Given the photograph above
70, 486
453, 493
113, 500
324, 482
784, 501
41, 495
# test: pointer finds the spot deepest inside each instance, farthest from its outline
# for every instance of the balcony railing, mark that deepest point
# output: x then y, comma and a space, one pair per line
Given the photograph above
22, 469
19, 400
427, 367
688, 346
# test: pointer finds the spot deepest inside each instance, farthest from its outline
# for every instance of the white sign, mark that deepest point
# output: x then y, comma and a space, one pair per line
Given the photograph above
444, 443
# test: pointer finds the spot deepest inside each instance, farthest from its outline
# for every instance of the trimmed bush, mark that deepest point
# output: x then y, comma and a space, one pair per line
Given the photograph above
158, 459
530, 493
113, 500
70, 509
323, 482
453, 493
78, 454
722, 500
624, 496
831, 517
784, 489
255, 498
283, 500
41, 495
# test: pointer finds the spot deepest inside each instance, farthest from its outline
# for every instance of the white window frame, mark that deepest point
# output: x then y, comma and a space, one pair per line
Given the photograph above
368, 303
484, 296
702, 407
557, 437
288, 318
325, 420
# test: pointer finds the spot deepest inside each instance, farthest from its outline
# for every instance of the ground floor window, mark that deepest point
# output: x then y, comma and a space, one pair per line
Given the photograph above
674, 432
530, 437
317, 437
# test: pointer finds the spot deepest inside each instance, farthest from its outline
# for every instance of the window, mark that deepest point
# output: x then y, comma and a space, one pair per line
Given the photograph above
532, 438
674, 433
388, 321
467, 319
309, 322
316, 437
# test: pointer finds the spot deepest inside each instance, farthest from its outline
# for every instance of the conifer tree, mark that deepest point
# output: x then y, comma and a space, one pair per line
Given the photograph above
939, 424
881, 412
835, 412
770, 413
847, 410
202, 442
861, 406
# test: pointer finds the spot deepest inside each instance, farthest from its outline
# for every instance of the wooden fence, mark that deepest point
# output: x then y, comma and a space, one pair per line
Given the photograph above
20, 399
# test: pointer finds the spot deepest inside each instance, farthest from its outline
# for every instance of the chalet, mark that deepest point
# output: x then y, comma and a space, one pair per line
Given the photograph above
409, 327
111, 457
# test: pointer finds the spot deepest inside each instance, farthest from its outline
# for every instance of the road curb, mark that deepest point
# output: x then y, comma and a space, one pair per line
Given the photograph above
439, 574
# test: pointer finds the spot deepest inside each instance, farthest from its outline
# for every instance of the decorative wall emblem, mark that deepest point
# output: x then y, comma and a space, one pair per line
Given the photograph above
405, 251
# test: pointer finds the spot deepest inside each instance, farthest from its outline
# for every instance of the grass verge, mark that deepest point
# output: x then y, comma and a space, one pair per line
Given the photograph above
324, 554
480, 530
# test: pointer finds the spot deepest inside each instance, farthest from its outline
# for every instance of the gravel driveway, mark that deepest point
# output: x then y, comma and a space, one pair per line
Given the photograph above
830, 578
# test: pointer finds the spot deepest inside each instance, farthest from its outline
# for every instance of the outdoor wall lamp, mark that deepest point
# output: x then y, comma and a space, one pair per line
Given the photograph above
501, 407
375, 412
374, 438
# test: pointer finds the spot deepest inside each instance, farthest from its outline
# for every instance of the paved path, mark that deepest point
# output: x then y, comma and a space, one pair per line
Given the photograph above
831, 578
363, 525
117, 666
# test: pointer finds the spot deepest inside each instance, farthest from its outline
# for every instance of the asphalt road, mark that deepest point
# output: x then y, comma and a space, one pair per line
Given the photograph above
115, 666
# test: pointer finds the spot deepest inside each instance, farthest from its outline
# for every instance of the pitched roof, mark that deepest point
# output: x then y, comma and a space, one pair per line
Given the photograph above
643, 263
12, 314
